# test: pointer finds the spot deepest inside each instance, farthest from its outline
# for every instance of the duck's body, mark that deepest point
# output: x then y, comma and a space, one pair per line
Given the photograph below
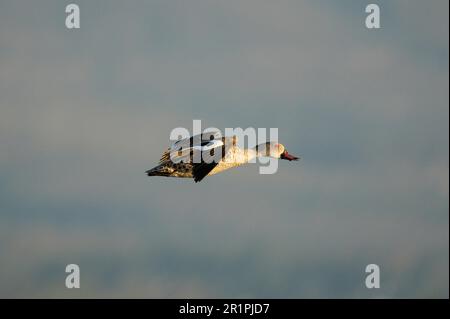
235, 157
179, 160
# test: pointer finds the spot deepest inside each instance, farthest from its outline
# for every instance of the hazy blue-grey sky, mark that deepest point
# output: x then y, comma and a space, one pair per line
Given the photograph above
83, 114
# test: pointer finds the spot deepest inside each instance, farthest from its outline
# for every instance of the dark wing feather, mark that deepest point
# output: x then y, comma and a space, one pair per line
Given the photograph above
201, 170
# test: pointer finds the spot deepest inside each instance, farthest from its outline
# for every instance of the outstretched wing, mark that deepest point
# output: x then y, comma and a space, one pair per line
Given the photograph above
183, 150
204, 151
197, 140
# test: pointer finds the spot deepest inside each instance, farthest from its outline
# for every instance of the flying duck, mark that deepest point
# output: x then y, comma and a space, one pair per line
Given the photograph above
208, 154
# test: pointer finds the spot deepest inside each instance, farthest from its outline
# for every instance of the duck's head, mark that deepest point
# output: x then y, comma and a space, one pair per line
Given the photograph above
275, 150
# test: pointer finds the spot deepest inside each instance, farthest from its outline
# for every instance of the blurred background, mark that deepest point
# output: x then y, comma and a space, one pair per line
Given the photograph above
84, 113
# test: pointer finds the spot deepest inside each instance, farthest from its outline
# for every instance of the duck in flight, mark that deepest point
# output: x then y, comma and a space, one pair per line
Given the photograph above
208, 154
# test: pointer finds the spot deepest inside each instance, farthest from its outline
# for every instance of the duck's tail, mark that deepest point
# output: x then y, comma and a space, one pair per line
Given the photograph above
159, 170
